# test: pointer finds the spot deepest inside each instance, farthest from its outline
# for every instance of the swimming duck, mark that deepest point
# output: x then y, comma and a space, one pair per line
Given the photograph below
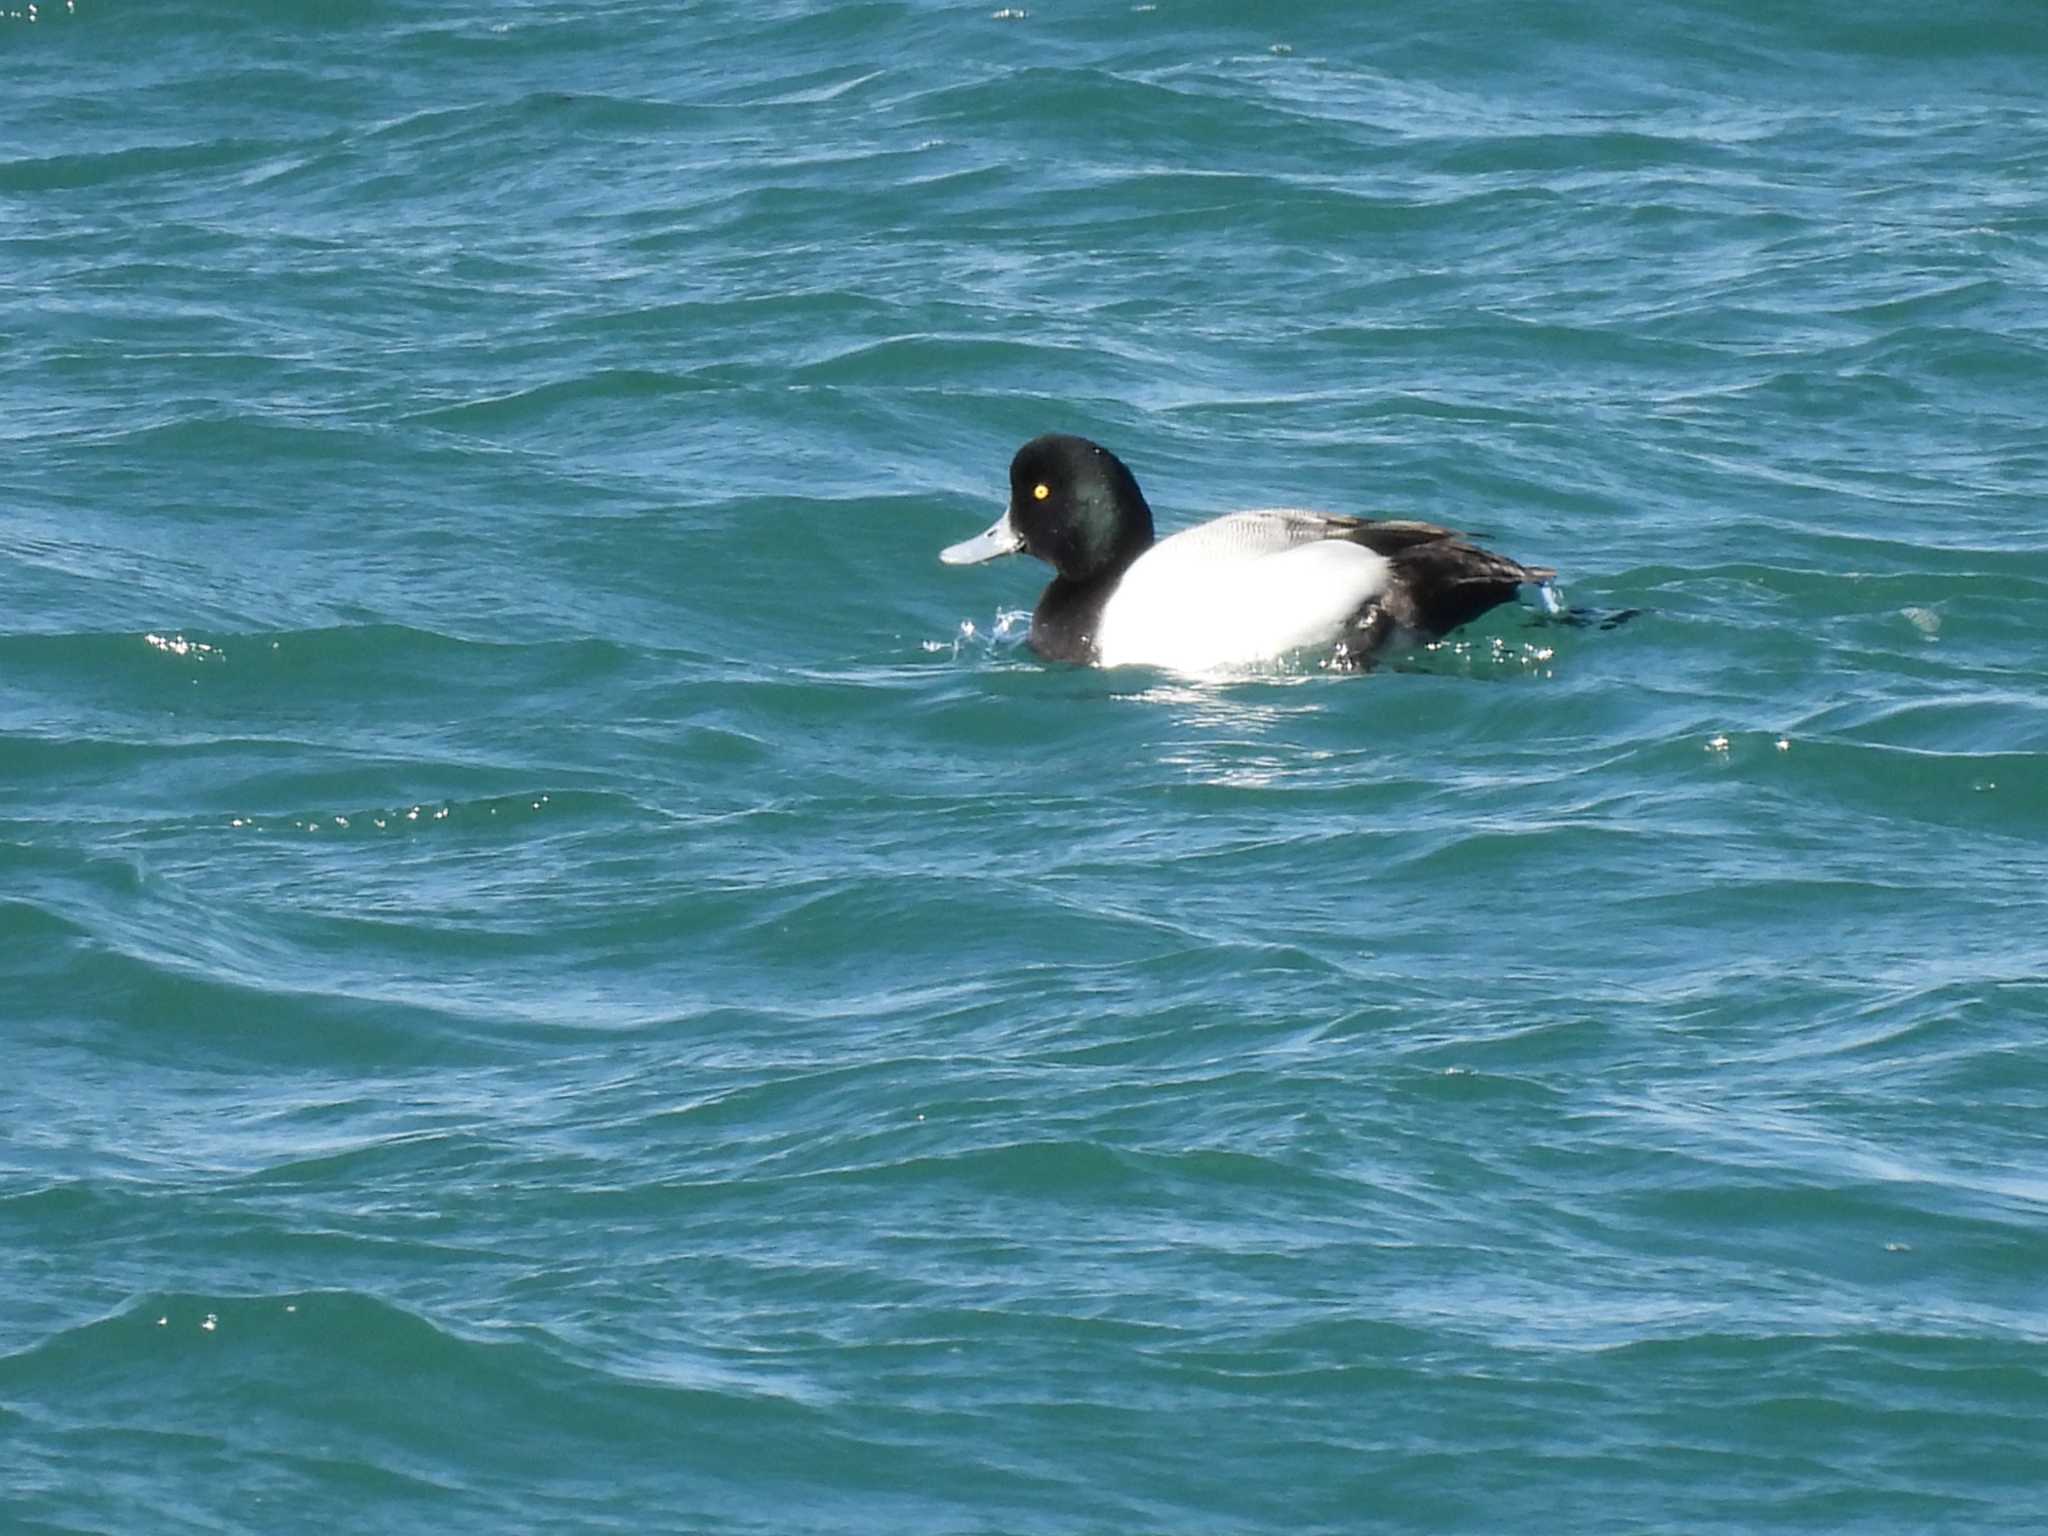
1243, 589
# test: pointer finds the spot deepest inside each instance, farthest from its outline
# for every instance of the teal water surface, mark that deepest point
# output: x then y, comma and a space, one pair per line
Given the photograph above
559, 973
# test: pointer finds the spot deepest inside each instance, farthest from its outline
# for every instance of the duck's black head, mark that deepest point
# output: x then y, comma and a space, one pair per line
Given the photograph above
1077, 507
1073, 505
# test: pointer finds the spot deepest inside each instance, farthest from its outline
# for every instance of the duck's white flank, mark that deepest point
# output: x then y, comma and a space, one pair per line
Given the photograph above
1241, 590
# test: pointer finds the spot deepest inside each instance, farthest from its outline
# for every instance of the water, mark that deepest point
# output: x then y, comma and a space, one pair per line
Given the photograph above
551, 982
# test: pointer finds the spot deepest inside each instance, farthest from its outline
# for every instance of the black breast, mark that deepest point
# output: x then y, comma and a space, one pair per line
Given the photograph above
1068, 615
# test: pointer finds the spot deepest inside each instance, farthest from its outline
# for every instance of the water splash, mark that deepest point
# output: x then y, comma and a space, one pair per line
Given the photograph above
179, 646
1009, 629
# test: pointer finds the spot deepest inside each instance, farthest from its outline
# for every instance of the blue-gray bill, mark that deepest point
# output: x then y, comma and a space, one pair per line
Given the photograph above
999, 539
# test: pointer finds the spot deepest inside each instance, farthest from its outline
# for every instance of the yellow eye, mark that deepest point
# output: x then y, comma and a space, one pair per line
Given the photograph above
1040, 492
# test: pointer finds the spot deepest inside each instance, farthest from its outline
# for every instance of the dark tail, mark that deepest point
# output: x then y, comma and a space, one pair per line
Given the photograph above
1446, 583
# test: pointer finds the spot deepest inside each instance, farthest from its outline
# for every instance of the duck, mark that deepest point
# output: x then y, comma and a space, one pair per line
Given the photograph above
1243, 590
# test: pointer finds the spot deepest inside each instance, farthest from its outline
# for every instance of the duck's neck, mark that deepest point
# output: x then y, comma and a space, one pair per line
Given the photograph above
1068, 615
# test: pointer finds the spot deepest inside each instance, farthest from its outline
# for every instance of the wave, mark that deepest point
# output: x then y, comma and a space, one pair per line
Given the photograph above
526, 405
167, 1354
